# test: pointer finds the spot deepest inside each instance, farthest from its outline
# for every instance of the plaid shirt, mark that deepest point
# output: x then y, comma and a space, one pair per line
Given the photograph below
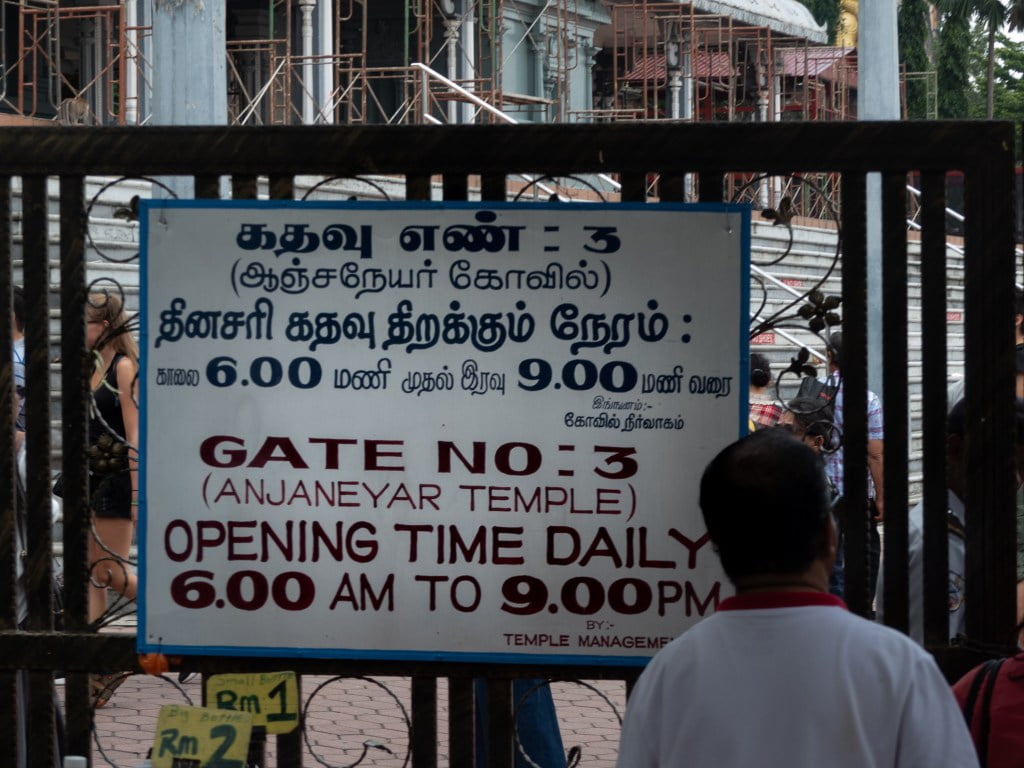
765, 413
834, 462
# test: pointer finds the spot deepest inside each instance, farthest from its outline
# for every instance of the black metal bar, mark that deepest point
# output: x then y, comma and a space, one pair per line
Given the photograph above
115, 652
10, 730
855, 387
244, 186
9, 549
289, 745
74, 404
77, 517
499, 723
672, 187
461, 722
281, 187
36, 277
710, 186
988, 329
935, 596
456, 186
207, 186
493, 186
257, 757
896, 458
558, 150
634, 187
417, 186
424, 722
39, 563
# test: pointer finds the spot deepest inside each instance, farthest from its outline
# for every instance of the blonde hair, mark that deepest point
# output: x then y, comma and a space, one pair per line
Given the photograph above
117, 335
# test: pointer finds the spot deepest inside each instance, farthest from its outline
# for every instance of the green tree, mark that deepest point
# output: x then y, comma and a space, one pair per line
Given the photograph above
827, 12
953, 65
992, 14
1009, 87
912, 21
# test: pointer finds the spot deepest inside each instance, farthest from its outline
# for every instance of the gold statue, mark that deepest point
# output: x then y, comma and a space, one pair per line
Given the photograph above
846, 32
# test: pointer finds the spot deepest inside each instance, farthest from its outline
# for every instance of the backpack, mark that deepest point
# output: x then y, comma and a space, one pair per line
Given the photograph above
993, 711
815, 389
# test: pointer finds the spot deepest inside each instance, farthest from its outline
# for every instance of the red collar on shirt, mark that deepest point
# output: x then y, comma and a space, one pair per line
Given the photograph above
754, 600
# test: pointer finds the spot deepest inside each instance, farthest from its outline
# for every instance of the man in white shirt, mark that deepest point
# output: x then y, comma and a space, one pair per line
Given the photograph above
782, 674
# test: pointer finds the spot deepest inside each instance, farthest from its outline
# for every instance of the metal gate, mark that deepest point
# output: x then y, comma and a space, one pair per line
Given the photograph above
459, 160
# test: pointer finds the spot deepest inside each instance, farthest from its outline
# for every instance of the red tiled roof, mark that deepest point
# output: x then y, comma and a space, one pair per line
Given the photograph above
816, 62
795, 62
706, 64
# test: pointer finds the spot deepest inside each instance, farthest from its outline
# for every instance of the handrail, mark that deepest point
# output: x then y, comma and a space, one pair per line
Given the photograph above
796, 294
474, 99
254, 103
775, 281
532, 179
949, 212
917, 228
468, 95
792, 339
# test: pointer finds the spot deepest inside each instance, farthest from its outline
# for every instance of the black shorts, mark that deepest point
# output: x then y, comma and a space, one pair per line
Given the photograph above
111, 495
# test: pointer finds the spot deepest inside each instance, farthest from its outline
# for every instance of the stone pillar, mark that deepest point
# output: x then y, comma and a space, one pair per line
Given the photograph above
131, 54
325, 75
539, 49
306, 7
451, 40
189, 63
467, 36
189, 69
588, 53
686, 103
878, 98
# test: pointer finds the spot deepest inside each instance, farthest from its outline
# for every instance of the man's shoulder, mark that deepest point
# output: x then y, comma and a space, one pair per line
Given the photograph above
830, 624
888, 651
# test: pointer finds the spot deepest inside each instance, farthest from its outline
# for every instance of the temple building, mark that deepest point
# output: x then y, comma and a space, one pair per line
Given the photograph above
428, 61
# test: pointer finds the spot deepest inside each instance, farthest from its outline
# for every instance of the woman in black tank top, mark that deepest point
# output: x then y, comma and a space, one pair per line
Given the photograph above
113, 455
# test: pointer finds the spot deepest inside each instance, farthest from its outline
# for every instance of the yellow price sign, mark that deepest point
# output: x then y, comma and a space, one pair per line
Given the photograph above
200, 736
272, 698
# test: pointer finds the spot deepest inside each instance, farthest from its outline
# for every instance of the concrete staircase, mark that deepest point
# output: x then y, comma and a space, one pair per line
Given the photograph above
810, 257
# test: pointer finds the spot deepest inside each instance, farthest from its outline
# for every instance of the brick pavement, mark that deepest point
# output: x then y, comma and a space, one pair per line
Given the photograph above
345, 714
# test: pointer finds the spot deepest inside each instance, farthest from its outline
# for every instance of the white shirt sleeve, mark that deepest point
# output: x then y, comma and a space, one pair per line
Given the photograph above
635, 741
915, 576
932, 728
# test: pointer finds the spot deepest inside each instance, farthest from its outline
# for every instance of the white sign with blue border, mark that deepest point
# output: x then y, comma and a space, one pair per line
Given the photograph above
455, 431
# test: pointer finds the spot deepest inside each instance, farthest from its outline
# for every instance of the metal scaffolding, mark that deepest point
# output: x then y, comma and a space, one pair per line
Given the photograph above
436, 61
670, 61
